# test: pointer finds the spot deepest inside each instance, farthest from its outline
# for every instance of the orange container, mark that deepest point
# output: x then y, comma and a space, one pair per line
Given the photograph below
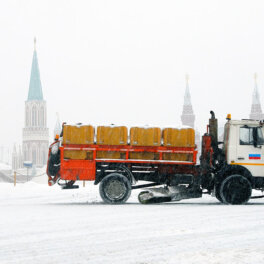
78, 134
111, 135
140, 136
173, 137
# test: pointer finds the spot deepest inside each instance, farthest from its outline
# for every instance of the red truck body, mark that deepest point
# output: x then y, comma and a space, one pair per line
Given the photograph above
73, 170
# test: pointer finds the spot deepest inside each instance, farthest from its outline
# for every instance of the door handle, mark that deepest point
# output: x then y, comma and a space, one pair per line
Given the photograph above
240, 158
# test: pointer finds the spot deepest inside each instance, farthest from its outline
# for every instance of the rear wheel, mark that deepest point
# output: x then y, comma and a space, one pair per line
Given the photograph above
115, 188
235, 189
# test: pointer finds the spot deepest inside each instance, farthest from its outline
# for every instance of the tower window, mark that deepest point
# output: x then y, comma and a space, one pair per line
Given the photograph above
41, 117
34, 116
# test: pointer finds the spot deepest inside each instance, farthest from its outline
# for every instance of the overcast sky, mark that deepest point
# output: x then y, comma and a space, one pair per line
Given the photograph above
124, 62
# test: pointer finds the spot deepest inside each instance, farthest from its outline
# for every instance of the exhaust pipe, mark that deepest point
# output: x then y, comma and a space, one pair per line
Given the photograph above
213, 130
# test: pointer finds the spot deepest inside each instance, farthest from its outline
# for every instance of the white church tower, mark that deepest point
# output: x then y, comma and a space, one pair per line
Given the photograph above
256, 111
188, 117
35, 131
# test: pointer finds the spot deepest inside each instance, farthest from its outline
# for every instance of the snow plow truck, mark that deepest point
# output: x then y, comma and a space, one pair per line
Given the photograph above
164, 161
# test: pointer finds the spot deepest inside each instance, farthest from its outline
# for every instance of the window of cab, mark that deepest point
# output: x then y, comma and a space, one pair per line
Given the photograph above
248, 134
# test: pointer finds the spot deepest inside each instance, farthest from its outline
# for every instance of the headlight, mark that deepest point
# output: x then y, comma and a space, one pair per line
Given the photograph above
55, 149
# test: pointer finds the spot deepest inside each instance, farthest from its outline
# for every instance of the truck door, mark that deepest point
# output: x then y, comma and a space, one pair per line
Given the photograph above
250, 149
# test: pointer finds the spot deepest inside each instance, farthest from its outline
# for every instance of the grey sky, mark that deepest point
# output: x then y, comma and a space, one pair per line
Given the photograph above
124, 62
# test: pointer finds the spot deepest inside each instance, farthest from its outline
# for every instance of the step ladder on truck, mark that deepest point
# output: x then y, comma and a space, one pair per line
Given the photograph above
230, 170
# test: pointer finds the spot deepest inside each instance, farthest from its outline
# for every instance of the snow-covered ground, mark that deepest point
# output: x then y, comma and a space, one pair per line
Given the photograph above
4, 166
41, 224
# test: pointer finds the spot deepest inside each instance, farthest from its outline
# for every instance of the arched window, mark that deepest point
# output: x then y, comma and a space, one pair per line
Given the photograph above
27, 117
41, 118
34, 116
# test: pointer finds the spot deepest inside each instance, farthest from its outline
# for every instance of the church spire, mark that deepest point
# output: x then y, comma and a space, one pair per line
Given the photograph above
187, 116
187, 95
57, 128
256, 111
35, 87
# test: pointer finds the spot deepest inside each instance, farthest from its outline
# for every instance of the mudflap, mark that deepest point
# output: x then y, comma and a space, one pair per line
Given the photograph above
168, 194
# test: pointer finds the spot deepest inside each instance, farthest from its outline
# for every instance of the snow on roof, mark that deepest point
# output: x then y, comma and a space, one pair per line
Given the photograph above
139, 126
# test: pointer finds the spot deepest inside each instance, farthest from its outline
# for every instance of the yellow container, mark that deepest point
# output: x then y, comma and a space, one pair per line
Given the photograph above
140, 136
111, 135
173, 137
145, 136
78, 154
78, 134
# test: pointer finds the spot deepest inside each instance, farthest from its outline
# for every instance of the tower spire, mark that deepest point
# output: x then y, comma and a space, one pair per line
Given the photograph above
57, 128
256, 111
187, 79
187, 95
35, 87
187, 116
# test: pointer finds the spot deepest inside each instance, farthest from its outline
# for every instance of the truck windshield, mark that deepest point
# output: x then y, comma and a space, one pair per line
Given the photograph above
246, 136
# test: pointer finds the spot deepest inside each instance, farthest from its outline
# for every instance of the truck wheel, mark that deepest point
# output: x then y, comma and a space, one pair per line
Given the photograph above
217, 193
235, 189
115, 188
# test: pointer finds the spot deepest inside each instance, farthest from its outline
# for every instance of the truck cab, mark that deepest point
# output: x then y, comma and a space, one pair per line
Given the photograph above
243, 145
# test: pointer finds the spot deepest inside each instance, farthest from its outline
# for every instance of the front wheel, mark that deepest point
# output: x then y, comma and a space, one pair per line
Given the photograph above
115, 188
235, 189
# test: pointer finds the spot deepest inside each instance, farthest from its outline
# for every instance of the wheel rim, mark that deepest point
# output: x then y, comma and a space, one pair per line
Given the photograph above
115, 189
236, 190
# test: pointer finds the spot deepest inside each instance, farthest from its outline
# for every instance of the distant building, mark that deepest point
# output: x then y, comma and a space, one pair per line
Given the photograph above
188, 117
35, 132
256, 110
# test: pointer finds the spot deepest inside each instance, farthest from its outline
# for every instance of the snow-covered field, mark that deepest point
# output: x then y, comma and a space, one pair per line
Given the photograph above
41, 224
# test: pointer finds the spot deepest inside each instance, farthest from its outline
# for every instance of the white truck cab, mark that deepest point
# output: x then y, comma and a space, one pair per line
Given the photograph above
244, 145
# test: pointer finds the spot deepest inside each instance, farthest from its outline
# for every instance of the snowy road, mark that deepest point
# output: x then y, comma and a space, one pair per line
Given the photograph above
41, 224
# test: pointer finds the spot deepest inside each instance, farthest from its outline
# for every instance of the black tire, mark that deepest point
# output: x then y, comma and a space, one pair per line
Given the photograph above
115, 188
217, 193
235, 189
